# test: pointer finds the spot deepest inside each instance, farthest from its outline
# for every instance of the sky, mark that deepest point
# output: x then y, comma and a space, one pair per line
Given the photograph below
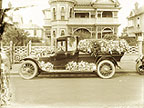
35, 13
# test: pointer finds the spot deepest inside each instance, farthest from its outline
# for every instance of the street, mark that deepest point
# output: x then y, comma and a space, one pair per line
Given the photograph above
124, 89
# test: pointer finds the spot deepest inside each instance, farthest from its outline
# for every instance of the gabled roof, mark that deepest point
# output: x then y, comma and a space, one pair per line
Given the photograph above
89, 2
83, 2
104, 1
140, 10
136, 12
107, 2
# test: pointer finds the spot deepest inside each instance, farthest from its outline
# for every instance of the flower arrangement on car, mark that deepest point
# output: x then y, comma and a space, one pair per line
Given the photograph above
103, 46
46, 66
80, 66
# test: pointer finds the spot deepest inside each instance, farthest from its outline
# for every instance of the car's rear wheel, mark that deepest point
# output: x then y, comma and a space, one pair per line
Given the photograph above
28, 70
105, 69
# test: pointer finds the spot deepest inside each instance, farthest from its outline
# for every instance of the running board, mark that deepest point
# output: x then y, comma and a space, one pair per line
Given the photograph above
69, 71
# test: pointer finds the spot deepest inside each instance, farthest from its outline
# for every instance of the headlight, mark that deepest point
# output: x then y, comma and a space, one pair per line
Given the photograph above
142, 59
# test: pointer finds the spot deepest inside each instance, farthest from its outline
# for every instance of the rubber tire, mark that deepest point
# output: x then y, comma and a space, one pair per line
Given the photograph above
138, 64
35, 73
113, 69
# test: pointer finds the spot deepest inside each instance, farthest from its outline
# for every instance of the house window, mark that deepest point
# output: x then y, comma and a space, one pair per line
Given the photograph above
93, 15
54, 14
62, 33
62, 18
48, 33
54, 38
71, 11
115, 14
99, 14
35, 33
81, 15
138, 22
54, 34
62, 13
62, 10
99, 35
107, 14
130, 23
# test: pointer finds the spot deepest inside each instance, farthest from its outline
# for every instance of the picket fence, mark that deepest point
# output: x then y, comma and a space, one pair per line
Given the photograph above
16, 53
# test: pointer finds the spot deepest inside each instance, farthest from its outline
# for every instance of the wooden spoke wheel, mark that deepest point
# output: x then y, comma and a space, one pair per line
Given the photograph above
105, 69
28, 70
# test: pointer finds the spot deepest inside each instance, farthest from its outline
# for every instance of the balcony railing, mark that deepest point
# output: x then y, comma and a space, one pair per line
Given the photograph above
90, 21
84, 21
81, 21
101, 21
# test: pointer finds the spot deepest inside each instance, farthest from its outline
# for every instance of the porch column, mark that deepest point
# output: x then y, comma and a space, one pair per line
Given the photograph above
96, 33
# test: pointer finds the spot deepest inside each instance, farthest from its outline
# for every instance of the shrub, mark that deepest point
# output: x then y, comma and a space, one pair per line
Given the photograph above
132, 41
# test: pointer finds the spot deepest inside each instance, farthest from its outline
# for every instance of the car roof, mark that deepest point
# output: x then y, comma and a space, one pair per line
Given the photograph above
63, 38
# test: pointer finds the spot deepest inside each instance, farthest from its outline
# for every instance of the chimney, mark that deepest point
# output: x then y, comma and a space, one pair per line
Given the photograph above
136, 6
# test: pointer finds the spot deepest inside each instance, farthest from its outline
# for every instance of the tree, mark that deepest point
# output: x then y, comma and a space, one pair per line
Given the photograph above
132, 41
17, 35
34, 39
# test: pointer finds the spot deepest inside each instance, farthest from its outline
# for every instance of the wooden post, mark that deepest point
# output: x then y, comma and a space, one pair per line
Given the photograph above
13, 52
29, 48
30, 45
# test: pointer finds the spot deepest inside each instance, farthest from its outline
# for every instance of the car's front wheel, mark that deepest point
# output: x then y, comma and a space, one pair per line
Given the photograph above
105, 69
28, 69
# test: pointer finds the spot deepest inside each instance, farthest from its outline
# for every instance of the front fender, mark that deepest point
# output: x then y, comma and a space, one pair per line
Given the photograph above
34, 60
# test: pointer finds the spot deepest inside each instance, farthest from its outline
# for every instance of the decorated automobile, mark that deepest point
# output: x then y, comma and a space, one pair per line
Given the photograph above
140, 65
73, 55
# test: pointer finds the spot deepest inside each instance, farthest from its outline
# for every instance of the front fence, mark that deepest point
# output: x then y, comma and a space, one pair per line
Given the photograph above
16, 53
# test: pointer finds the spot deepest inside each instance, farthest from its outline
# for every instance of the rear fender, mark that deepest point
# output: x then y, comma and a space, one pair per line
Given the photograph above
107, 58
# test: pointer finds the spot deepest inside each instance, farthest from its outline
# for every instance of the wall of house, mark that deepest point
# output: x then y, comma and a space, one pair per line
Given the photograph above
142, 22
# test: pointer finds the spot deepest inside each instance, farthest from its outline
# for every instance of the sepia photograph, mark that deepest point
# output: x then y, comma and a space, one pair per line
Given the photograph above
72, 53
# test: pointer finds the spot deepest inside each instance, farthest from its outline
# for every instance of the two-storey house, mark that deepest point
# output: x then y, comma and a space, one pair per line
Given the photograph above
70, 17
136, 22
